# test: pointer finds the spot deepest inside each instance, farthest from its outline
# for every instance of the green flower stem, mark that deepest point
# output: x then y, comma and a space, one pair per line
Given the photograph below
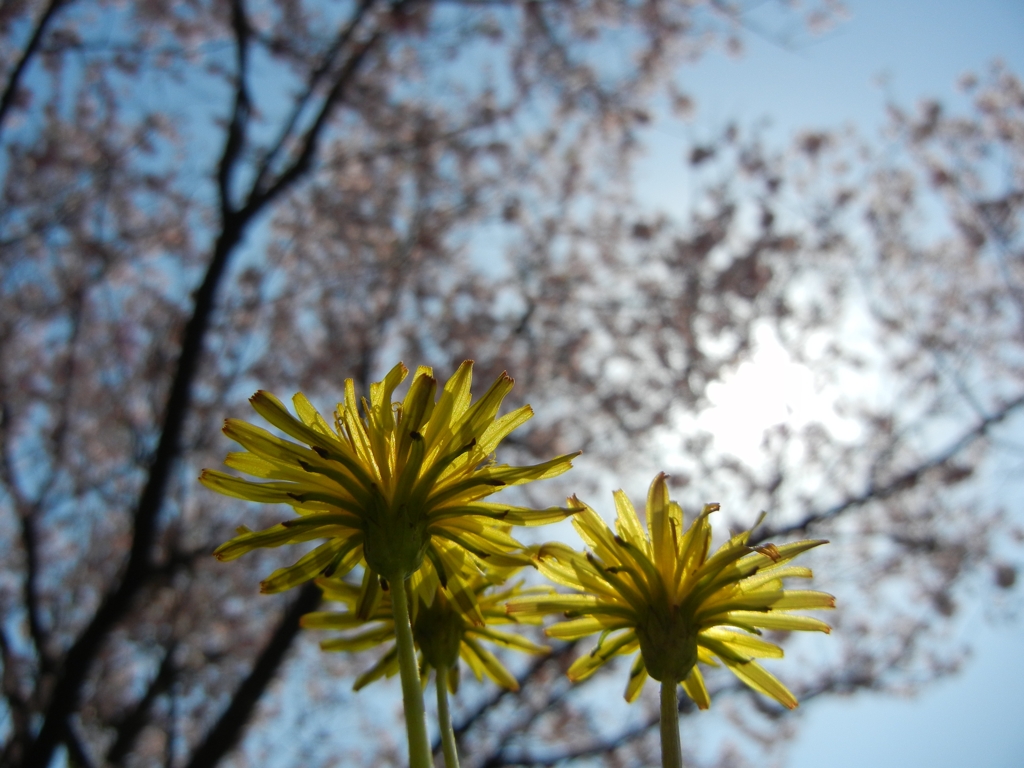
671, 751
444, 716
412, 693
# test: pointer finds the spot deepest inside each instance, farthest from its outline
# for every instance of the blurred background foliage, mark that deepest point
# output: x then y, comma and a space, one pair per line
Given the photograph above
199, 199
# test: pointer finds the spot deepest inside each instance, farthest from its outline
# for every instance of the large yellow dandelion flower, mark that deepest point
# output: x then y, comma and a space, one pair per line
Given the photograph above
401, 482
399, 486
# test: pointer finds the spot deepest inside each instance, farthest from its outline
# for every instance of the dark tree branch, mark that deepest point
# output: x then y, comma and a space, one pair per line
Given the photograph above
172, 731
29, 512
14, 81
470, 720
130, 726
235, 141
30, 544
78, 756
847, 682
18, 706
58, 435
555, 696
26, 512
183, 560
225, 734
900, 482
329, 60
311, 139
597, 747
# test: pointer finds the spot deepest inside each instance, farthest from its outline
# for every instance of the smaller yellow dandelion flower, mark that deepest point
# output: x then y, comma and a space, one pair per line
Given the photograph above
662, 594
443, 630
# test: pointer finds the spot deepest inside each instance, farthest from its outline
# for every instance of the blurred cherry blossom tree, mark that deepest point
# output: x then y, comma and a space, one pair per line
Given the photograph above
202, 199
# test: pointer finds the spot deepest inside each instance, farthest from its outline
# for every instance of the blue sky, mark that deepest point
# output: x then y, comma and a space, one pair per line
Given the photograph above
917, 47
900, 51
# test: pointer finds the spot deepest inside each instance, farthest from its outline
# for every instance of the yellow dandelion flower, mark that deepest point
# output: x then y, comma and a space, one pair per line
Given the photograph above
663, 595
443, 634
401, 482
397, 486
442, 631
